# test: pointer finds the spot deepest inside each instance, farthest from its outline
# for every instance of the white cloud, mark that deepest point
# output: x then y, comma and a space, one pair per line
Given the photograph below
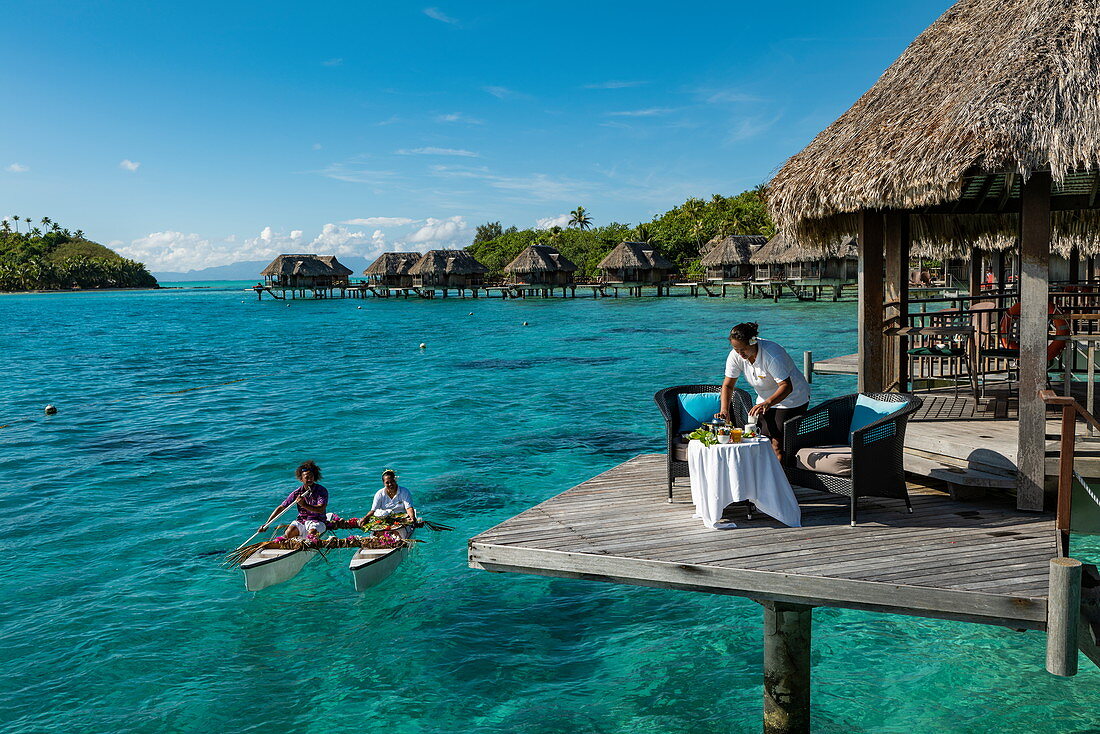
438, 151
561, 220
357, 172
316, 146
381, 221
504, 92
751, 127
730, 96
649, 112
333, 62
537, 185
613, 84
17, 168
337, 240
437, 14
128, 165
440, 230
459, 117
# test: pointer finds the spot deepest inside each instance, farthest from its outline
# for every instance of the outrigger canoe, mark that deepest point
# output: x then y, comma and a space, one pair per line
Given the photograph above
270, 566
371, 566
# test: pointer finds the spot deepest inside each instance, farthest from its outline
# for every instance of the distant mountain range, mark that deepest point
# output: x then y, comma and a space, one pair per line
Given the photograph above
248, 270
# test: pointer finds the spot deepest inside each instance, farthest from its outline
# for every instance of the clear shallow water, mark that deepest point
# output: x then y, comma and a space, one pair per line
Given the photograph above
136, 631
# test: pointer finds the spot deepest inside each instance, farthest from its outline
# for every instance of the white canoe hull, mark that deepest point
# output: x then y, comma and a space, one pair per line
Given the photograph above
372, 567
273, 566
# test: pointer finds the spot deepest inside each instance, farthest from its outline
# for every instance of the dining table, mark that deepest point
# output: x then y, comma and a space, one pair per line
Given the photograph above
747, 471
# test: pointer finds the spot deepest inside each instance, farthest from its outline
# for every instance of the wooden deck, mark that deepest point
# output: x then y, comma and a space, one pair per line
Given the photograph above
981, 562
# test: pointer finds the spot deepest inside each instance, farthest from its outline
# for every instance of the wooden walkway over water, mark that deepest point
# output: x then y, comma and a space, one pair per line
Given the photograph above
982, 561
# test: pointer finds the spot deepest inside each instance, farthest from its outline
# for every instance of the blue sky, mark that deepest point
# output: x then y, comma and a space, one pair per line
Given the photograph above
198, 134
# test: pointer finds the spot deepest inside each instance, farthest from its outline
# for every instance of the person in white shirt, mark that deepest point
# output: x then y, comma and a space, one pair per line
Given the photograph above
781, 389
391, 498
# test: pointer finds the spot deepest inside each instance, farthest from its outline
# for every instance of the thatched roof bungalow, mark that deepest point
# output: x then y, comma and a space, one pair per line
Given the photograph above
447, 269
541, 265
391, 269
635, 262
727, 258
306, 271
784, 258
984, 133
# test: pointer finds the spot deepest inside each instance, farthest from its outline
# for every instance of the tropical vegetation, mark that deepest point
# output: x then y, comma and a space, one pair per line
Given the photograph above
679, 233
47, 256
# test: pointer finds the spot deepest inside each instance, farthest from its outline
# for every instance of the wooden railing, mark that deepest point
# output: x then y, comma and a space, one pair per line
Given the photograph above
1066, 473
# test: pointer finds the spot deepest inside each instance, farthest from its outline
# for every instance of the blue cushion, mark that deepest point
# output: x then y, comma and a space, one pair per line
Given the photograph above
696, 408
868, 410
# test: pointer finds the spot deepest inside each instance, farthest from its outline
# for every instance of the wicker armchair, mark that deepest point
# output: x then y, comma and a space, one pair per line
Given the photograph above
874, 452
677, 465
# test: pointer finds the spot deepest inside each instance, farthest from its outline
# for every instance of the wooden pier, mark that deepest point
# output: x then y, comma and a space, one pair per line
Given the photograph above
984, 562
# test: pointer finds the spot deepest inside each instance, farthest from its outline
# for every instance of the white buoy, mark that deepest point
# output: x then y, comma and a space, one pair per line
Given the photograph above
359, 308
471, 313
423, 345
51, 410
288, 305
525, 323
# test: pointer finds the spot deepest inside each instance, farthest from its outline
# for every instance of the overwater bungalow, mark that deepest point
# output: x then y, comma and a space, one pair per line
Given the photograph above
985, 132
306, 272
448, 269
805, 270
729, 257
540, 266
635, 263
391, 269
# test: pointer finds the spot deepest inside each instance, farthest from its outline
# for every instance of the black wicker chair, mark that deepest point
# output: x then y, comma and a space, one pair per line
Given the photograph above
670, 409
877, 462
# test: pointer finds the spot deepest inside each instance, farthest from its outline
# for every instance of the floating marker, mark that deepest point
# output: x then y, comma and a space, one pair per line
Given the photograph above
525, 323
471, 313
359, 308
51, 410
423, 345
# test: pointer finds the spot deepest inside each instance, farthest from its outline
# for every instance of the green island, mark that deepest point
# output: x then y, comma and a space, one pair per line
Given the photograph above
681, 233
51, 257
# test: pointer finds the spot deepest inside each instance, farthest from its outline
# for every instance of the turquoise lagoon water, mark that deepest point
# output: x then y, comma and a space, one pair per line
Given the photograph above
114, 620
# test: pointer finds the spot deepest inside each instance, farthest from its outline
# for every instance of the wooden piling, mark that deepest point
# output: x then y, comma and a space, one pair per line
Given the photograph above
787, 667
808, 366
1063, 616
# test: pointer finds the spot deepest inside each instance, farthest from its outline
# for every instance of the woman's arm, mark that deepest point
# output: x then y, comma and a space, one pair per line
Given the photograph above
728, 385
785, 388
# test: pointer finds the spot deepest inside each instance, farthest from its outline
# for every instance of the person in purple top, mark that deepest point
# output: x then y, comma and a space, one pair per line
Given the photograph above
312, 500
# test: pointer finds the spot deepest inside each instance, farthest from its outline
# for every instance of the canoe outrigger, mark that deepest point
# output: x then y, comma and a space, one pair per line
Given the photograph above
370, 567
269, 566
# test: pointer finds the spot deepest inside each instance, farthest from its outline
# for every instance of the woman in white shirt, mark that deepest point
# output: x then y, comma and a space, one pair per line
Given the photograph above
782, 392
391, 498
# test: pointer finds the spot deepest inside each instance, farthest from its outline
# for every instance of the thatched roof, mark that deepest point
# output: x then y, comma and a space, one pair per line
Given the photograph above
781, 249
393, 263
450, 262
307, 265
540, 259
993, 86
635, 255
734, 249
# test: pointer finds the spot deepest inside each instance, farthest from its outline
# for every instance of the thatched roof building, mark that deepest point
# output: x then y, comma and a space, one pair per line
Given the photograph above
306, 271
392, 269
541, 265
635, 262
728, 258
448, 269
785, 257
990, 92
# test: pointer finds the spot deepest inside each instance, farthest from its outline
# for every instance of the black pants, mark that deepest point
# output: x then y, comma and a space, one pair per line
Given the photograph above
771, 423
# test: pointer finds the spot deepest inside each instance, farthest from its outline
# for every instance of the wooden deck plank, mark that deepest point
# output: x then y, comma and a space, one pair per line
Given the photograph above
981, 561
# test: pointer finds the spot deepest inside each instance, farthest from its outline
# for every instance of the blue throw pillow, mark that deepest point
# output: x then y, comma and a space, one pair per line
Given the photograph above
696, 408
868, 410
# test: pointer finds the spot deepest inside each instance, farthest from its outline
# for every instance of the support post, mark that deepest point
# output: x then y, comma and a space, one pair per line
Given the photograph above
1034, 288
871, 237
1063, 616
787, 668
897, 239
808, 366
976, 272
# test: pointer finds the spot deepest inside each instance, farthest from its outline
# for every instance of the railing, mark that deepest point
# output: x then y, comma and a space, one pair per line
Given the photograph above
1067, 475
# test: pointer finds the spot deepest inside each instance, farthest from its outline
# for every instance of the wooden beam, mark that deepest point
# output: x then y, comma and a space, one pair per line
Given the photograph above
1063, 616
896, 289
976, 272
871, 244
1034, 286
787, 629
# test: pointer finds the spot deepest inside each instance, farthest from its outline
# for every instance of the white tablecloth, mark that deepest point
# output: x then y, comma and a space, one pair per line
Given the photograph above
735, 472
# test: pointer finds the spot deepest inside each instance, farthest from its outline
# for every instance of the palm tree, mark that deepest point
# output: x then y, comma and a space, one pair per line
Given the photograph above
579, 218
643, 233
15, 218
46, 223
554, 236
5, 225
79, 234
